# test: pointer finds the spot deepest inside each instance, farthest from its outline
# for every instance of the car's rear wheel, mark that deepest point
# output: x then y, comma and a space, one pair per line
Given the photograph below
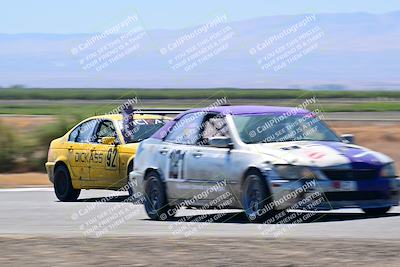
256, 197
155, 202
63, 185
376, 211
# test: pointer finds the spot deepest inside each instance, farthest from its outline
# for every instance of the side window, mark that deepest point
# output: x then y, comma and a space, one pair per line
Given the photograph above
74, 134
186, 130
214, 126
85, 132
105, 129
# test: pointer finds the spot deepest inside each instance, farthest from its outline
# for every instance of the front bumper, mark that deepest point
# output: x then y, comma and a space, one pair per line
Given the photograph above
328, 194
50, 170
136, 181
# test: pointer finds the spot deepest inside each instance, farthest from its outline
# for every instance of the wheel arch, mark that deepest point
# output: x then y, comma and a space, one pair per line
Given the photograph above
62, 163
74, 181
131, 162
247, 171
150, 169
257, 169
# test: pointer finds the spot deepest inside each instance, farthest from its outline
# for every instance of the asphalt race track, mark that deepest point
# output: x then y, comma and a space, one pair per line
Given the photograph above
104, 228
38, 212
99, 230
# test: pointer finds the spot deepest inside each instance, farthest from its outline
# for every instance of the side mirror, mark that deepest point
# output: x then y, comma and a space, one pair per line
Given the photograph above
348, 138
220, 142
109, 140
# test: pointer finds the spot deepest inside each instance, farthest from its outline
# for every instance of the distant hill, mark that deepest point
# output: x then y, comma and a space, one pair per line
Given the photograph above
352, 51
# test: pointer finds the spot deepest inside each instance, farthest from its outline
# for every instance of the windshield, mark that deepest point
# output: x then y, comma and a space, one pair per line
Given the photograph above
141, 129
262, 128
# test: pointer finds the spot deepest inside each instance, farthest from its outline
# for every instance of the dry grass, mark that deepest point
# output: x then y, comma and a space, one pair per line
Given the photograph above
26, 123
382, 137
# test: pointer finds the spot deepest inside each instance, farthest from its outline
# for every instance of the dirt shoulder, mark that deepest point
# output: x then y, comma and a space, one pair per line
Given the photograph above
207, 251
29, 179
383, 137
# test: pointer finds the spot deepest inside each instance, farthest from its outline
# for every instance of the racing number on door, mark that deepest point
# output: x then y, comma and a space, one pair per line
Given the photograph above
111, 162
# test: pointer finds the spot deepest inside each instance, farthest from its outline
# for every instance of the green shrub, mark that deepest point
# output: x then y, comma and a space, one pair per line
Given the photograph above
36, 151
8, 149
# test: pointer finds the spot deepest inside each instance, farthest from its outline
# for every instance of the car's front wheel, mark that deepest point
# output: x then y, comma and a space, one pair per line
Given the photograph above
155, 202
63, 185
376, 211
256, 197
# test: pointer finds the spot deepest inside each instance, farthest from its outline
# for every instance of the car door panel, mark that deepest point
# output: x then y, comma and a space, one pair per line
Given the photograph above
105, 167
78, 146
105, 163
173, 153
190, 168
175, 170
79, 162
209, 166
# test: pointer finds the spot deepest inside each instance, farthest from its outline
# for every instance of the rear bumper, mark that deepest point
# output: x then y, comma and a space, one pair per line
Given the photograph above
324, 194
50, 170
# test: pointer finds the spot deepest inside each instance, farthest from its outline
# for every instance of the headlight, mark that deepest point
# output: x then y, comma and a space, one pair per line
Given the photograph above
292, 172
388, 171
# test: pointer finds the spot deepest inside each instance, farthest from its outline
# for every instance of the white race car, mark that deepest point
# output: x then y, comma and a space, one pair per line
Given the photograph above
267, 158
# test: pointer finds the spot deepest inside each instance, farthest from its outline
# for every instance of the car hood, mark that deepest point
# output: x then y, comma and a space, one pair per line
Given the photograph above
323, 154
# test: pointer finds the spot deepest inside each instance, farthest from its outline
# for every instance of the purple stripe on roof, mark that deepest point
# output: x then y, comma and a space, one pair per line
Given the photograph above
163, 131
242, 110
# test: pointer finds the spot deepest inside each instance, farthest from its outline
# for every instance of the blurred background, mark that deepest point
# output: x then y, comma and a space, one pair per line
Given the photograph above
62, 62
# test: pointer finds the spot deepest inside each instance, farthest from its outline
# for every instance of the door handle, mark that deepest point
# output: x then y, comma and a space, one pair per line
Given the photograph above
92, 149
70, 149
163, 151
197, 154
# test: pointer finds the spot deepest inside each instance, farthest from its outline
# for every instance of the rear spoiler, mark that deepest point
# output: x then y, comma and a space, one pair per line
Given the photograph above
159, 111
128, 111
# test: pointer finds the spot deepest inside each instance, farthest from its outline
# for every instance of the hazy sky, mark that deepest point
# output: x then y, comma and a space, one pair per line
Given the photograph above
73, 16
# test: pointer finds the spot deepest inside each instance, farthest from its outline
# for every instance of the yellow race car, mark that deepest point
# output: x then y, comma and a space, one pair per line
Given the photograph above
98, 153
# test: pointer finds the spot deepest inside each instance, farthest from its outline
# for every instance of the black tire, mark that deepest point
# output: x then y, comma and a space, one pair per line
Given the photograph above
155, 202
63, 185
256, 197
376, 211
130, 186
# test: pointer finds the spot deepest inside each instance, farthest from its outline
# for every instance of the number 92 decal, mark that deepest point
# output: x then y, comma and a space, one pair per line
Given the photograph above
111, 159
